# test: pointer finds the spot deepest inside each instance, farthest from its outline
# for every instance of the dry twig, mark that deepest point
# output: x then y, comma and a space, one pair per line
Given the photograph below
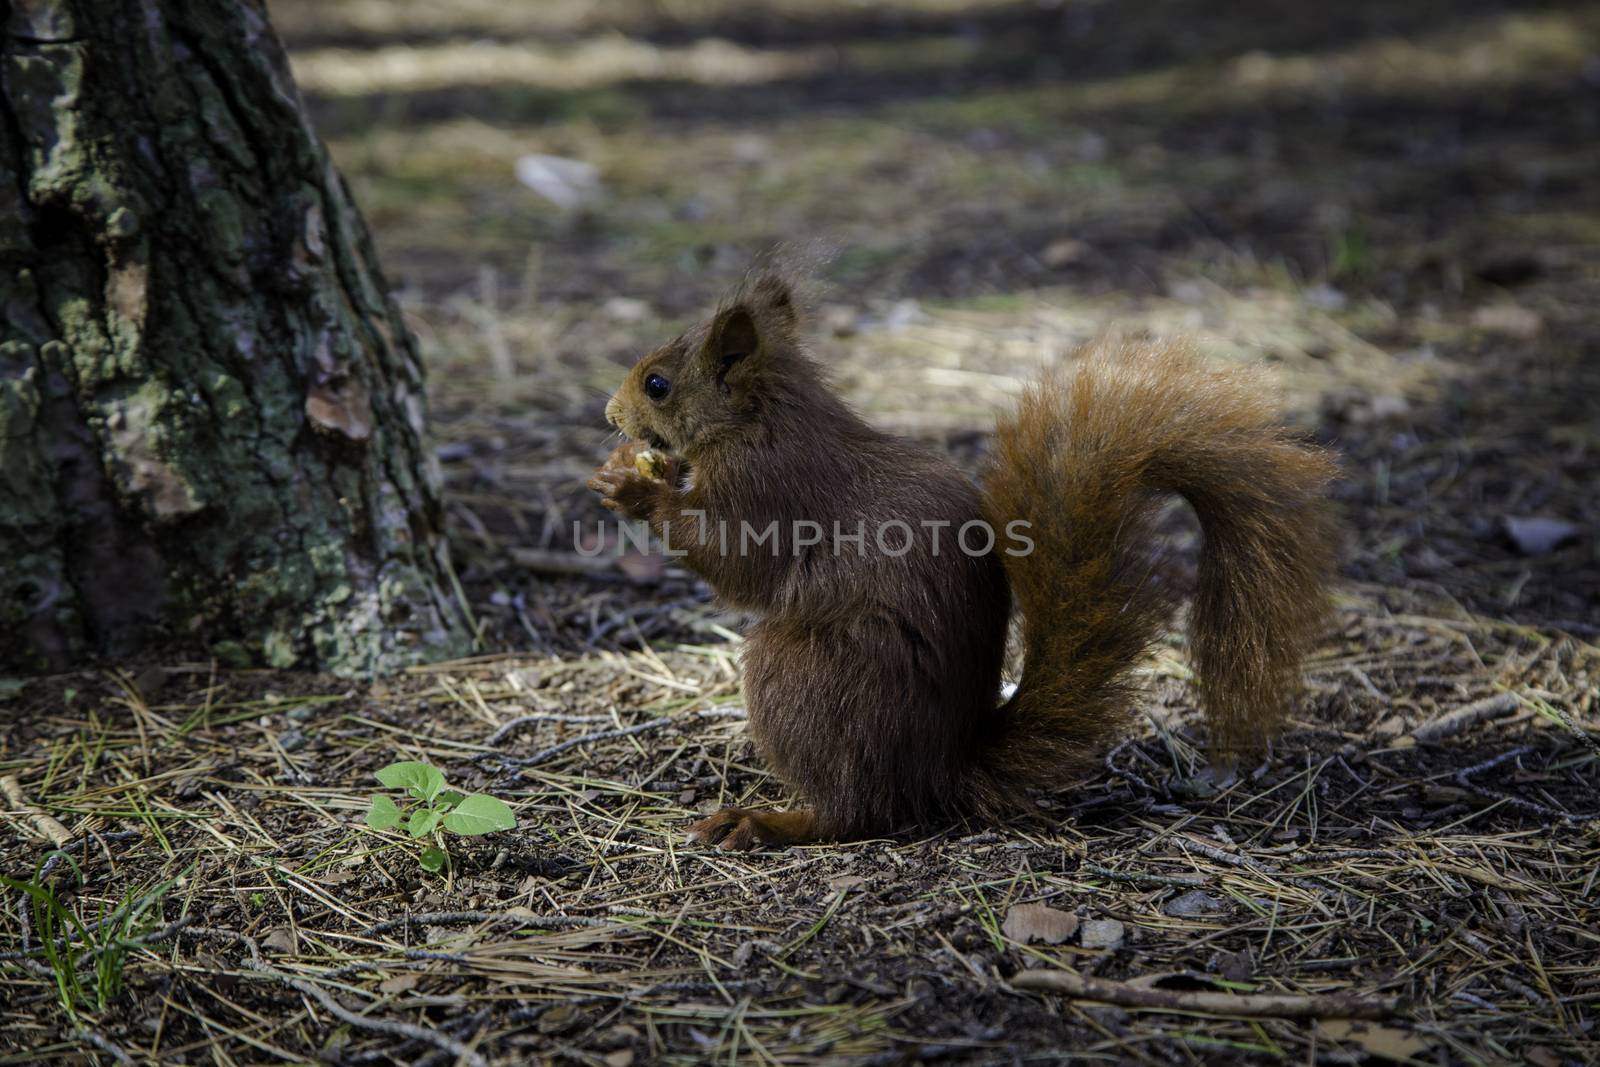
1252, 1005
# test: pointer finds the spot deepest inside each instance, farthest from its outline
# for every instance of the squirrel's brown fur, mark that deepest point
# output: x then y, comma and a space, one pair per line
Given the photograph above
871, 677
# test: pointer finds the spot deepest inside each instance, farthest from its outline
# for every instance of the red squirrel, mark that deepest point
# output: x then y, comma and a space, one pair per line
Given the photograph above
872, 678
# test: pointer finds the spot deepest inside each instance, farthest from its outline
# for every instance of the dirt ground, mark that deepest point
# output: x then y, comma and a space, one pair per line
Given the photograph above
1393, 207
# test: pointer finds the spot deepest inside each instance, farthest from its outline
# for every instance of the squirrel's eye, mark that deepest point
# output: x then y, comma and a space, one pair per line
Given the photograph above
656, 387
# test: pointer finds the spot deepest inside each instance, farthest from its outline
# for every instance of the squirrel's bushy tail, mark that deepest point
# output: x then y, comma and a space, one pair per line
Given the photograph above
1082, 460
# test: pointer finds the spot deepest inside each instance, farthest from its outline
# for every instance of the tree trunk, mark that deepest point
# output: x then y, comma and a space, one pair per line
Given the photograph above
211, 414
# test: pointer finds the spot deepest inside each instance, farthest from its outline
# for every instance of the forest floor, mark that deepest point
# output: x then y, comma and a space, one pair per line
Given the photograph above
1393, 206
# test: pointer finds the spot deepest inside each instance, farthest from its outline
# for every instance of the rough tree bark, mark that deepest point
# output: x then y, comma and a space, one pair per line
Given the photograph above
211, 413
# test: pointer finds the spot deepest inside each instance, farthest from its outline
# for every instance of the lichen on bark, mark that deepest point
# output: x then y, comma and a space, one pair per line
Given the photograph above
211, 414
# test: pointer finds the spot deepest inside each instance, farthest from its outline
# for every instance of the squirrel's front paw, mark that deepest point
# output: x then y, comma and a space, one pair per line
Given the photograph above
626, 491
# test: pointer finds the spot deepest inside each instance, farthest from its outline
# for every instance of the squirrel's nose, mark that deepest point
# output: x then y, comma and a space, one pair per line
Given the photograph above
613, 412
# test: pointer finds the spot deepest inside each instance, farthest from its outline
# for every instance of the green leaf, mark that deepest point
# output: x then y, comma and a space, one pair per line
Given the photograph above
423, 820
449, 799
479, 814
419, 779
384, 814
432, 859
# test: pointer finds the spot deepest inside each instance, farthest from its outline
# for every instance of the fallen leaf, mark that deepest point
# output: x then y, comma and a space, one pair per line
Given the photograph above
1385, 1042
1039, 922
558, 1018
400, 983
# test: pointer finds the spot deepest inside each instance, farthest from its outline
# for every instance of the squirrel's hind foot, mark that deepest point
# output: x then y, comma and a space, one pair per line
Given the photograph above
740, 829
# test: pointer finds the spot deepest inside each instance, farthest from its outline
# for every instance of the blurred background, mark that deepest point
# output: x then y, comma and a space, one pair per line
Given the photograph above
1395, 206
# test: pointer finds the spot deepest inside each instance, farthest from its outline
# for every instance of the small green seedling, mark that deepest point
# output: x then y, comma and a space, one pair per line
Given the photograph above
432, 809
87, 958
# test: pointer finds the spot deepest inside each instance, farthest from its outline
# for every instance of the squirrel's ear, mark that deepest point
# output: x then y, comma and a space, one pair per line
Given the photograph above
734, 339
774, 296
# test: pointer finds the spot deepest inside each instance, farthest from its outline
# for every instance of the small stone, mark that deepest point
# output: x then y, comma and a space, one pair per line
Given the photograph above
150, 682
1536, 535
1187, 292
1091, 147
1390, 406
281, 939
1232, 966
1426, 561
903, 313
1194, 904
751, 148
839, 319
1103, 933
1511, 320
1393, 726
1058, 254
566, 183
1325, 298
626, 309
